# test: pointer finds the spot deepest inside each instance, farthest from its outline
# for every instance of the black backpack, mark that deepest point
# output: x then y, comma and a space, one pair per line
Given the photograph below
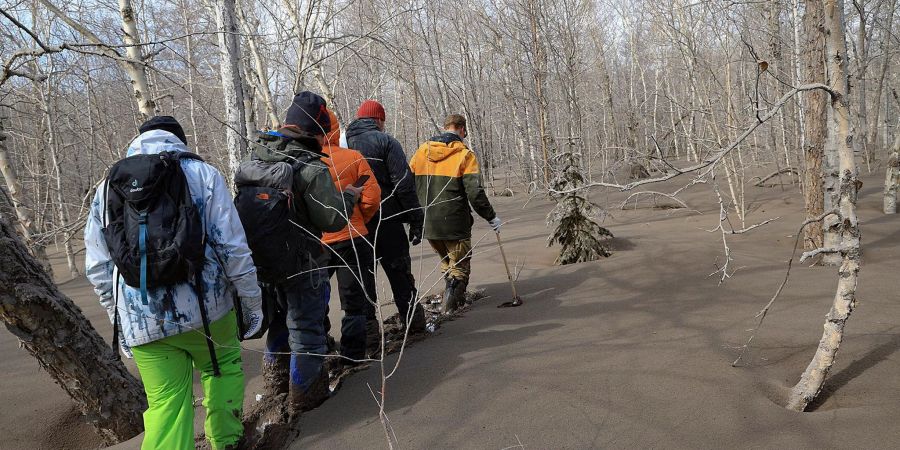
152, 228
270, 215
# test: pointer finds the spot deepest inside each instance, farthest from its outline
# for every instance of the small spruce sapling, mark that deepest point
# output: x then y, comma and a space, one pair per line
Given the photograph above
576, 230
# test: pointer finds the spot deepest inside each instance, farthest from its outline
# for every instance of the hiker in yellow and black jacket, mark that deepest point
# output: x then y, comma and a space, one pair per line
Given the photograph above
448, 181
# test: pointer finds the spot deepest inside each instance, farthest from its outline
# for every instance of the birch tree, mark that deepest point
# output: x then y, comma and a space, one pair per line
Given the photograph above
847, 224
135, 67
814, 121
232, 85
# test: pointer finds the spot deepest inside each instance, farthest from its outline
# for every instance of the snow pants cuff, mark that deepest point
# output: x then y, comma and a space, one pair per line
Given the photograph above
166, 368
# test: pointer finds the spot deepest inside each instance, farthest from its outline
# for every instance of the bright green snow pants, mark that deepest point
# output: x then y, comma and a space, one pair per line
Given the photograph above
166, 370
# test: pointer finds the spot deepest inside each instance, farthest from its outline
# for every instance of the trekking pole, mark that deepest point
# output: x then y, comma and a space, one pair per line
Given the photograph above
516, 301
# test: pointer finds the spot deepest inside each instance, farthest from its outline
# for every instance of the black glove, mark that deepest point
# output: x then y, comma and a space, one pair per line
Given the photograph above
415, 234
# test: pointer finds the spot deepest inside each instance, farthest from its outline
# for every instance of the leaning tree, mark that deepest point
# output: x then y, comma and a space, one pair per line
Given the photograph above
54, 330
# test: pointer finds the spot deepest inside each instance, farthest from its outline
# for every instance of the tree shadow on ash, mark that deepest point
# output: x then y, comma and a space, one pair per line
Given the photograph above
840, 379
620, 244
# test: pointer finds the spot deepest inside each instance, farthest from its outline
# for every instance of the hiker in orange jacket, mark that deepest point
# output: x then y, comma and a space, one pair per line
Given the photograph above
350, 255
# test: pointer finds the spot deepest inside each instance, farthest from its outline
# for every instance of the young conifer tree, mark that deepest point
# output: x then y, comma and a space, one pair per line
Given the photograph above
576, 230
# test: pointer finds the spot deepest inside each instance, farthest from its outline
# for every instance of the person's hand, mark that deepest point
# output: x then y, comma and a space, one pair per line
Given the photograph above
415, 234
355, 191
495, 223
251, 315
126, 350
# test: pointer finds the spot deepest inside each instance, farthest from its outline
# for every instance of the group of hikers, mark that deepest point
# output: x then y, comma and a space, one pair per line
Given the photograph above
186, 270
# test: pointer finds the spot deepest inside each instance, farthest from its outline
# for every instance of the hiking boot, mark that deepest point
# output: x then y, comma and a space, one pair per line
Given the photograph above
312, 397
275, 373
451, 296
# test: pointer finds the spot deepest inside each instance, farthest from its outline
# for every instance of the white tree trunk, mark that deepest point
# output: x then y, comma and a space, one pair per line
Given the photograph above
892, 179
133, 66
890, 185
139, 83
538, 73
52, 149
810, 384
262, 74
327, 92
232, 87
189, 57
831, 178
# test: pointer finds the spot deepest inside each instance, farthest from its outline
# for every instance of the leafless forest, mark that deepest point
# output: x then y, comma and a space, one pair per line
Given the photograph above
729, 94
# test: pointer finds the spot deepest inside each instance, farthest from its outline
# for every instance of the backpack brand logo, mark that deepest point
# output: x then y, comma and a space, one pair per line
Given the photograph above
135, 188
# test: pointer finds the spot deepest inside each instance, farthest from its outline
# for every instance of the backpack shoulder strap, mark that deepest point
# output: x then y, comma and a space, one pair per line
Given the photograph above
178, 156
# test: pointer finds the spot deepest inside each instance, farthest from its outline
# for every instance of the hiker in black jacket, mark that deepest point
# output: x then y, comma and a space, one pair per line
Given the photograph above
399, 205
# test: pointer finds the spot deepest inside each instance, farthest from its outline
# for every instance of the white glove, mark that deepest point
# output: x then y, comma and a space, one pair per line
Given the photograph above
495, 223
251, 315
126, 350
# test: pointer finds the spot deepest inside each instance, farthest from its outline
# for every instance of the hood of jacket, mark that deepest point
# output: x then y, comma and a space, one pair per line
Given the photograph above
333, 135
444, 146
360, 126
155, 141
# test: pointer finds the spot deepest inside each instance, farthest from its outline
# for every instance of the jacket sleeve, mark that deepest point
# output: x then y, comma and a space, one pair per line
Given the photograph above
474, 187
329, 210
370, 200
225, 235
404, 184
98, 262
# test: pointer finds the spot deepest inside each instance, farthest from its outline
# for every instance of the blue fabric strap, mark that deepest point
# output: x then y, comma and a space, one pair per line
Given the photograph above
142, 243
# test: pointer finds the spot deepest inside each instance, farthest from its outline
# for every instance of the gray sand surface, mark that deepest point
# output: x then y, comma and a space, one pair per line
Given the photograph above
631, 351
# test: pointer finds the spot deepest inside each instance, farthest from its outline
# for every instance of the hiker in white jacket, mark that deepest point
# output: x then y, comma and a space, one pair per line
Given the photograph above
166, 335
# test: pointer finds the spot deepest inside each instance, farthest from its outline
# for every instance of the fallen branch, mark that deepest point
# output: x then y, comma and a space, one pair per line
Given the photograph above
661, 194
775, 174
752, 227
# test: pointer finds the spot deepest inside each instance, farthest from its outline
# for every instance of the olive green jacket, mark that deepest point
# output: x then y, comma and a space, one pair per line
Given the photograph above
323, 207
449, 187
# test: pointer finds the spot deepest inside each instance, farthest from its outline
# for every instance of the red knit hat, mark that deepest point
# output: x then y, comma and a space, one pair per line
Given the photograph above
370, 109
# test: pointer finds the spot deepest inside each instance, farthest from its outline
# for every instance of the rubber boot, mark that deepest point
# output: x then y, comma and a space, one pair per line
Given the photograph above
451, 297
461, 292
417, 323
305, 400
